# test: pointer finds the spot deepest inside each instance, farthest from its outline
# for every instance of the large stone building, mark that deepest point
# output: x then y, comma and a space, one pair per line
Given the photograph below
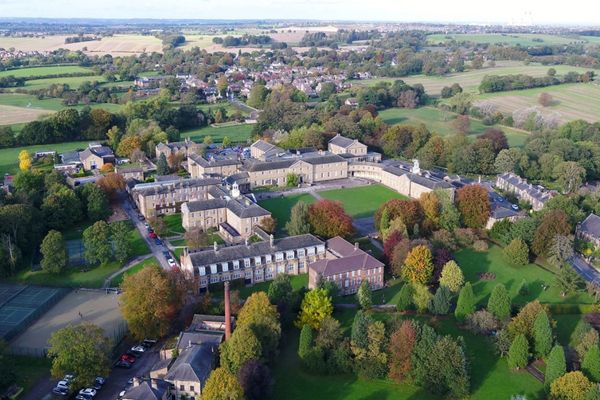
536, 195
347, 266
199, 166
96, 156
253, 262
264, 151
166, 197
234, 215
589, 230
184, 148
351, 149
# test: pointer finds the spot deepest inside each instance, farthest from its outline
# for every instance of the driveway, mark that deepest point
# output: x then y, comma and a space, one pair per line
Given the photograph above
587, 272
133, 216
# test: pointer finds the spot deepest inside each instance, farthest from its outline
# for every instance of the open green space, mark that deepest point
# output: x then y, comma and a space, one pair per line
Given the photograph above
237, 133
29, 370
216, 290
540, 282
9, 163
440, 122
173, 224
73, 81
44, 71
281, 207
360, 202
521, 39
116, 281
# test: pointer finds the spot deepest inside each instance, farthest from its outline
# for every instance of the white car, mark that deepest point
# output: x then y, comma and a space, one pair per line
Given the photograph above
515, 207
171, 263
88, 392
138, 349
69, 377
63, 384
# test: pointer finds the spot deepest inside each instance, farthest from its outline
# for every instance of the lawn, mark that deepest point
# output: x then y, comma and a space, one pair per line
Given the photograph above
473, 263
44, 71
73, 81
237, 133
281, 207
28, 370
360, 202
522, 39
116, 281
173, 224
9, 162
440, 122
216, 290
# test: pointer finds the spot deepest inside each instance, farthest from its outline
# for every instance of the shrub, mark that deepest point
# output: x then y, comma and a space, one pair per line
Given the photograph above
571, 386
444, 239
452, 277
440, 304
305, 342
482, 322
480, 246
465, 237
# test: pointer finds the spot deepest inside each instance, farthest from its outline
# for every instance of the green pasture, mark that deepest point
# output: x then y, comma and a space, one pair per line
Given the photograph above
360, 202
514, 39
44, 71
237, 133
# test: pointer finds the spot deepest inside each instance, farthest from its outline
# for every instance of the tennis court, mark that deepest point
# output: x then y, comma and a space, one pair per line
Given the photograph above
75, 251
21, 305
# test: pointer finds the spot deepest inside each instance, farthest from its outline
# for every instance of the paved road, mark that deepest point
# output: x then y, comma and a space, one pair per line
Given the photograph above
584, 269
133, 216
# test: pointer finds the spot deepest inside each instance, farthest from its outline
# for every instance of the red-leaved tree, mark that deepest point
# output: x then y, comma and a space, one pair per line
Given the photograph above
327, 218
409, 210
402, 343
473, 205
388, 246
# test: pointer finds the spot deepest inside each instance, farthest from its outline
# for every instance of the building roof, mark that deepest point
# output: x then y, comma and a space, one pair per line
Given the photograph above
319, 158
239, 252
536, 192
427, 180
257, 166
591, 226
202, 205
193, 364
349, 258
213, 162
169, 186
240, 178
246, 209
98, 151
70, 157
343, 141
190, 338
265, 146
144, 391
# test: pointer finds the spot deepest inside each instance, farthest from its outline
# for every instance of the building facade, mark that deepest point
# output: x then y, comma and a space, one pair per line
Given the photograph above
184, 148
536, 195
199, 166
589, 230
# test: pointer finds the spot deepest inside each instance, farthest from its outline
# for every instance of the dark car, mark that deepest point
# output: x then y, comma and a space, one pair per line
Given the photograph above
98, 383
166, 254
128, 358
141, 217
147, 343
60, 391
122, 364
158, 242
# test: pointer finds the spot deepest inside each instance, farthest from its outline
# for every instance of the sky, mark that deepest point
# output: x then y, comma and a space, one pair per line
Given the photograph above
458, 11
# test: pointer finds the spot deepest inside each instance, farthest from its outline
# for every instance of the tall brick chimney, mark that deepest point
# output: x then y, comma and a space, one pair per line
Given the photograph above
227, 312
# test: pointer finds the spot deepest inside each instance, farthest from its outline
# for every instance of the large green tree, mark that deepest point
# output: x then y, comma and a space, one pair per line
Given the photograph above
556, 365
82, 350
222, 385
240, 348
465, 305
591, 364
365, 295
452, 277
97, 244
262, 317
61, 207
316, 305
542, 335
499, 302
518, 353
298, 223
120, 232
54, 253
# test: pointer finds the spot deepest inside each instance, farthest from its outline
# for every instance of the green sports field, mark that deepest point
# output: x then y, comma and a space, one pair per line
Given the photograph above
281, 207
440, 122
360, 202
237, 133
73, 81
44, 71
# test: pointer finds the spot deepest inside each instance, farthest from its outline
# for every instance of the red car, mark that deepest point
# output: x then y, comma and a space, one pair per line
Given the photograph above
128, 358
152, 235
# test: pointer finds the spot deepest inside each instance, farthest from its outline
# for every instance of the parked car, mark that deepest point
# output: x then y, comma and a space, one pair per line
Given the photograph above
63, 384
128, 358
84, 397
138, 349
98, 383
152, 235
122, 394
122, 364
171, 263
147, 343
60, 391
158, 241
166, 254
515, 207
141, 217
88, 392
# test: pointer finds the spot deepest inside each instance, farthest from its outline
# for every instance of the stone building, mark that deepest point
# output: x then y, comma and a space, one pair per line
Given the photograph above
199, 166
264, 151
589, 230
185, 148
536, 195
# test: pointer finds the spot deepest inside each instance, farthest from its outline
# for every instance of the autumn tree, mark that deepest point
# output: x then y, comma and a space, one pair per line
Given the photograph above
111, 184
518, 354
54, 253
149, 302
465, 305
400, 348
418, 266
545, 99
82, 350
431, 206
328, 219
553, 223
196, 238
407, 211
242, 347
262, 317
499, 303
268, 224
462, 124
571, 386
128, 145
315, 306
556, 365
452, 276
222, 385
473, 205
523, 322
365, 295
24, 160
299, 220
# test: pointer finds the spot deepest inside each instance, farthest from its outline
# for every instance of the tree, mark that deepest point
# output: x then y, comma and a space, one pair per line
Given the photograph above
54, 253
591, 364
452, 277
97, 206
359, 332
405, 298
499, 303
61, 207
330, 335
567, 280
149, 302
111, 184
128, 145
24, 160
292, 180
82, 350
162, 167
431, 206
365, 295
280, 289
448, 374
497, 138
556, 365
222, 385
400, 348
268, 224
371, 360
542, 335
473, 205
518, 354
418, 266
316, 305
569, 176
440, 304
571, 386
226, 141
255, 379
545, 99
465, 305
262, 317
196, 238
96, 243
553, 223
462, 124
421, 297
561, 250
516, 253
328, 219
524, 321
305, 342
299, 223
122, 248
257, 96
243, 346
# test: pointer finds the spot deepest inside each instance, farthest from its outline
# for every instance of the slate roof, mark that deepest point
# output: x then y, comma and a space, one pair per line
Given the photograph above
430, 182
144, 391
321, 158
244, 210
265, 146
70, 157
535, 191
169, 186
241, 178
213, 162
350, 258
270, 165
591, 225
193, 364
239, 252
202, 205
341, 141
196, 338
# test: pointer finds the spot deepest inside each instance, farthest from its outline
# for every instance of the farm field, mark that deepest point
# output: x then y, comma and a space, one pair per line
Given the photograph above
237, 133
522, 39
438, 121
13, 115
119, 45
360, 202
9, 163
33, 43
73, 81
471, 79
281, 207
43, 71
571, 101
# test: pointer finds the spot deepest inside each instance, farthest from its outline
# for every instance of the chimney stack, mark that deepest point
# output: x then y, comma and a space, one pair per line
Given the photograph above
215, 246
271, 240
227, 312
355, 245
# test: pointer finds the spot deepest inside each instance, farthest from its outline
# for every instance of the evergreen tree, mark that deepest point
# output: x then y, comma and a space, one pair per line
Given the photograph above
440, 304
360, 326
542, 334
120, 238
162, 166
466, 302
452, 276
54, 253
499, 303
518, 354
405, 298
306, 341
556, 365
365, 295
591, 364
298, 223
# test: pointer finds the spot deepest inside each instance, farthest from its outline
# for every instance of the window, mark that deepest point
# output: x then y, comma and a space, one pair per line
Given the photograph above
301, 252
213, 268
311, 251
246, 262
279, 256
290, 268
182, 388
257, 260
192, 388
321, 249
268, 258
202, 271
236, 264
289, 255
224, 267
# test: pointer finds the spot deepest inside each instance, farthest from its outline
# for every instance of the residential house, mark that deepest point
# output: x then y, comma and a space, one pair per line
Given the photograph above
148, 389
536, 195
351, 149
128, 172
589, 230
184, 148
499, 212
253, 262
351, 101
347, 266
96, 156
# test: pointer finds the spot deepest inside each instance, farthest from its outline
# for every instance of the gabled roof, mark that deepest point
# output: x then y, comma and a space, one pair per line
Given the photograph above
144, 391
350, 258
343, 141
591, 225
213, 162
265, 146
321, 158
270, 165
193, 364
202, 205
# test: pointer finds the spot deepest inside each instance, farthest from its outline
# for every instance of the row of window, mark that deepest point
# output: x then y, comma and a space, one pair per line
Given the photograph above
258, 274
258, 260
